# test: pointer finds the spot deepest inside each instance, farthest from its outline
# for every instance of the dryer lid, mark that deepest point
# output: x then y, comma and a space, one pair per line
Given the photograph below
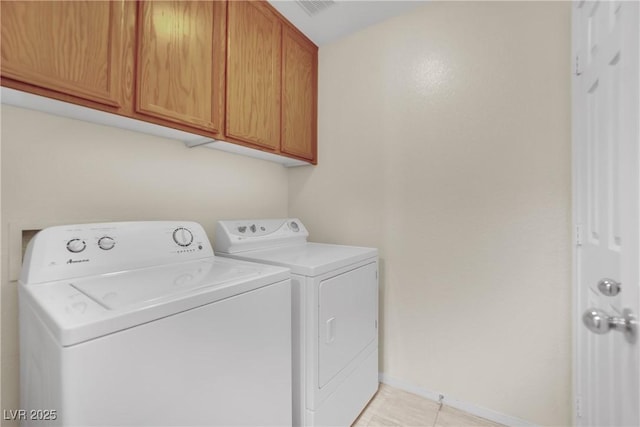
310, 259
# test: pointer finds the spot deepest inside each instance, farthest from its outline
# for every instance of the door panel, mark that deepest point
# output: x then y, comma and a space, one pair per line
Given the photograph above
299, 94
606, 137
253, 74
348, 315
181, 62
72, 47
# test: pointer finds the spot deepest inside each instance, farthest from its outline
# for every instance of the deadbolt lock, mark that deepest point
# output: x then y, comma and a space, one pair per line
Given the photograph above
609, 287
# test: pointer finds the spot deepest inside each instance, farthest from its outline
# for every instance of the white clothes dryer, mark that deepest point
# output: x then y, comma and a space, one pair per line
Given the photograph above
139, 324
334, 314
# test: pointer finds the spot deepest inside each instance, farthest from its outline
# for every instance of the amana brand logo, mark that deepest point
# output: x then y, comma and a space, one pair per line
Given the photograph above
74, 261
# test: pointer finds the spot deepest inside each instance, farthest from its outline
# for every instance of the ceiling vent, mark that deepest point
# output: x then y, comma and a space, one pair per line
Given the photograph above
313, 7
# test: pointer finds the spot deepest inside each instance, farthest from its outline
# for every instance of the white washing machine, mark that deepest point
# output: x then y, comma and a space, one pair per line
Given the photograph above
334, 315
131, 324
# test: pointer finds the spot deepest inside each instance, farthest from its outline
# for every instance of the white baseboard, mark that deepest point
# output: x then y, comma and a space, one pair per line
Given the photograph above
470, 408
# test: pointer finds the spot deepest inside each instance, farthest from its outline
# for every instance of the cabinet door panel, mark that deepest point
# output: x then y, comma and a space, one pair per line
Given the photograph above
299, 95
253, 74
181, 62
73, 47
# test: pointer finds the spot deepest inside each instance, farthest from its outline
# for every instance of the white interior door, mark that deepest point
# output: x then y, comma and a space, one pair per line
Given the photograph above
606, 187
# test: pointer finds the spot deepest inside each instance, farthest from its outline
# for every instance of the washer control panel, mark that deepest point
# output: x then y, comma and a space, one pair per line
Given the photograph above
243, 235
58, 253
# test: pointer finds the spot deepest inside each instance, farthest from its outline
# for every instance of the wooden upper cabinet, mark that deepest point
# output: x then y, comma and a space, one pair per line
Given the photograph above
181, 62
72, 47
253, 74
232, 70
299, 95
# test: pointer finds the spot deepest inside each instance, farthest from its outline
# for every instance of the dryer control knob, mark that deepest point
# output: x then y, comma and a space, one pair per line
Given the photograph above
76, 245
182, 236
106, 243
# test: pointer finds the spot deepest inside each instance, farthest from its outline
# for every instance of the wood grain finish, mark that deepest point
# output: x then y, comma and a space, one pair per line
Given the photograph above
253, 74
172, 64
70, 47
181, 62
299, 95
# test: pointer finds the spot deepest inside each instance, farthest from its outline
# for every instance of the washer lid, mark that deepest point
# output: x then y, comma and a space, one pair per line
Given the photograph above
86, 308
119, 291
310, 259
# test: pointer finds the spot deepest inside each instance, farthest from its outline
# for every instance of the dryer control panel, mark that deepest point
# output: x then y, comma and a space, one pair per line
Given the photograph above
65, 252
254, 234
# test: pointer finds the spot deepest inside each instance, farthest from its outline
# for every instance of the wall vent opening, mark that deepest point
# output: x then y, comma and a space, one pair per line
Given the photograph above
313, 7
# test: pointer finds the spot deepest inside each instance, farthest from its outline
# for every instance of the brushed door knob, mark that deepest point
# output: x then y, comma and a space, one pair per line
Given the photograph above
599, 322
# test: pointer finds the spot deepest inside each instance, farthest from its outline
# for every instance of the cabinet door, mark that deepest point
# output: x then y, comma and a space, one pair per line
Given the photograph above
181, 62
72, 47
253, 74
299, 95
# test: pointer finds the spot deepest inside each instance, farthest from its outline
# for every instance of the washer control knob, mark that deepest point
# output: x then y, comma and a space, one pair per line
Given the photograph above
76, 245
106, 243
253, 228
294, 226
182, 236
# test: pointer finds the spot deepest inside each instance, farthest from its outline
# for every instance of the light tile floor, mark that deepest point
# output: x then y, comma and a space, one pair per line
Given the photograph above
393, 407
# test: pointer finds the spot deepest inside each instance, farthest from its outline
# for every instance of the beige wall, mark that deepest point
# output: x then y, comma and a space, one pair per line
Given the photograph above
444, 139
57, 170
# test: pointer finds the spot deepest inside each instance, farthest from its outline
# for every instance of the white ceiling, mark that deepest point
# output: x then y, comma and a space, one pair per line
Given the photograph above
341, 19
